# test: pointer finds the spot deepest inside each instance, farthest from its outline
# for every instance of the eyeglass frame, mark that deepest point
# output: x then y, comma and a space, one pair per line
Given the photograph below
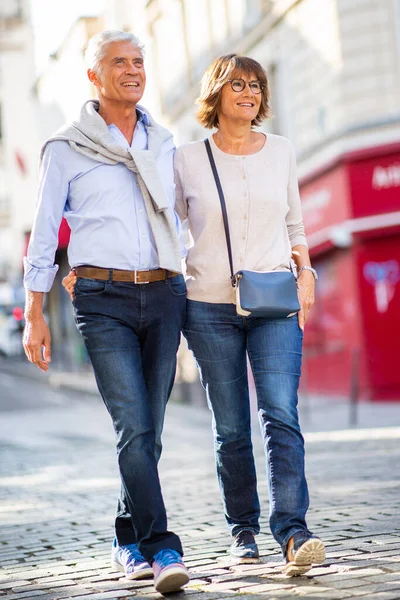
261, 83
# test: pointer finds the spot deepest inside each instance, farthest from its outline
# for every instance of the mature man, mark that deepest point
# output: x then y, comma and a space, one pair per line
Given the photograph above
110, 173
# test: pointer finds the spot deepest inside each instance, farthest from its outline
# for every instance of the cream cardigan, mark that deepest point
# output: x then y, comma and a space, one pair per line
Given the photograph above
264, 213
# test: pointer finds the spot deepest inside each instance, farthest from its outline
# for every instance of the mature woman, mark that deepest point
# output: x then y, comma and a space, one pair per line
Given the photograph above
258, 179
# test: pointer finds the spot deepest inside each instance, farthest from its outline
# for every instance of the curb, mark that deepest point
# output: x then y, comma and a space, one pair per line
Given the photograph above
76, 382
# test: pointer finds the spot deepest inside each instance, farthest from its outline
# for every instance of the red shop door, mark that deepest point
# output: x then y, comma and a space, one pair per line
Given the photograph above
379, 276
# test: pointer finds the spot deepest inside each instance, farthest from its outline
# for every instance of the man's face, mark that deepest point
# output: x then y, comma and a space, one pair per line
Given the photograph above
121, 77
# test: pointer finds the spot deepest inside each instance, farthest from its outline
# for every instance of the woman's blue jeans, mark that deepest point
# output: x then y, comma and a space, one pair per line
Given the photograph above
220, 341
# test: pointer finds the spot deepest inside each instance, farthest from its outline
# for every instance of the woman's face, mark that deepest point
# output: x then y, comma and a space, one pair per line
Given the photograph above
240, 105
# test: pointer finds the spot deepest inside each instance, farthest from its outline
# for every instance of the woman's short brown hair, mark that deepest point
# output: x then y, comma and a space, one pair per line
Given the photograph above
218, 73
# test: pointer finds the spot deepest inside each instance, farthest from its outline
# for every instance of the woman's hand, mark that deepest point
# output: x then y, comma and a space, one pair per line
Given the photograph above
69, 283
306, 287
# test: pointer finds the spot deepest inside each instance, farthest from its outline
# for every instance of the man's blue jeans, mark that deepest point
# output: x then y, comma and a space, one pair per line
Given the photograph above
132, 334
220, 340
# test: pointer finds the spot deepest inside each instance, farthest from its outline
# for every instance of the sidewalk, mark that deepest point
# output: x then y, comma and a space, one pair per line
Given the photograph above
318, 413
58, 484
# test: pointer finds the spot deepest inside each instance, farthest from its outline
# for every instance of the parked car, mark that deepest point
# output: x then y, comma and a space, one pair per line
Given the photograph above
11, 328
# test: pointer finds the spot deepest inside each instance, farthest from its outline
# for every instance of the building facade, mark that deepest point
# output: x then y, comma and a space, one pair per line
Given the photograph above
31, 110
334, 71
18, 161
61, 90
333, 68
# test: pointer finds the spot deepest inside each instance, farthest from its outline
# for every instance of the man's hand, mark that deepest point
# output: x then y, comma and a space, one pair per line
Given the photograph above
37, 342
306, 287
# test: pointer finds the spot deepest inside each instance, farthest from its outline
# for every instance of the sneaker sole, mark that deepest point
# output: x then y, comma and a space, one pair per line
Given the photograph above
143, 574
238, 560
171, 581
312, 552
253, 556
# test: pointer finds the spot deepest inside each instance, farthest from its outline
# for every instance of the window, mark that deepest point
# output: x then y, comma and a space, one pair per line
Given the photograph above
4, 203
253, 11
280, 102
236, 15
11, 9
276, 109
219, 19
197, 28
397, 23
170, 50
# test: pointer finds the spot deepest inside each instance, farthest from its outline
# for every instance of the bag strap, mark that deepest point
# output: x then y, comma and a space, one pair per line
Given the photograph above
223, 207
224, 212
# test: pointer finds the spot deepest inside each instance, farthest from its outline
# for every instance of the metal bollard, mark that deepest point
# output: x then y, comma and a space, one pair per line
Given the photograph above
354, 387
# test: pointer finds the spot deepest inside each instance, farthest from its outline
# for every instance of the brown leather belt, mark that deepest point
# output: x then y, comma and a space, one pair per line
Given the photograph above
121, 275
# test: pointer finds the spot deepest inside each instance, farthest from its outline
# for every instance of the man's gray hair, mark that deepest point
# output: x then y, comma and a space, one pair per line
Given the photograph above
97, 46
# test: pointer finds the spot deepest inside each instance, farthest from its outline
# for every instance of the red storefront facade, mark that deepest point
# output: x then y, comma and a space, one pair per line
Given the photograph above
351, 211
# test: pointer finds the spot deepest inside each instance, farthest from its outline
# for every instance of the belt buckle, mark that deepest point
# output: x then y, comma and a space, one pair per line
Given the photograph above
135, 279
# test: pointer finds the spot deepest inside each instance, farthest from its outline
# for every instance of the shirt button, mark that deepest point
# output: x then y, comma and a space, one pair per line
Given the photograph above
141, 210
245, 217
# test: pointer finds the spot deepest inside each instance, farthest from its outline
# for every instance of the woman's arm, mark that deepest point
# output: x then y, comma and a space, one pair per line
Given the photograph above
300, 255
305, 282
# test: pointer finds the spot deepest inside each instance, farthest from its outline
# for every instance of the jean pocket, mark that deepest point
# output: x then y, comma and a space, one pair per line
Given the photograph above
177, 285
89, 287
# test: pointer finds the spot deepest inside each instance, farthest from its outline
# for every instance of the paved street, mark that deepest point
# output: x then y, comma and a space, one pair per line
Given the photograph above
58, 485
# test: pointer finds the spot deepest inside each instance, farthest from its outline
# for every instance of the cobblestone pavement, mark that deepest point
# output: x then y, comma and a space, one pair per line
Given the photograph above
58, 485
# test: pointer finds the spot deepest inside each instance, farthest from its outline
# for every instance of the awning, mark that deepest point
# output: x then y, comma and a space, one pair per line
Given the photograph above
343, 234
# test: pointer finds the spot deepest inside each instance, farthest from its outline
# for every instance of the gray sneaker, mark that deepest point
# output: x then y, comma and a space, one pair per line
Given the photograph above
244, 548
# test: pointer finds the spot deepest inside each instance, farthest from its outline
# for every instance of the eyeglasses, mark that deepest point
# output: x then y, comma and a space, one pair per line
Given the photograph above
238, 85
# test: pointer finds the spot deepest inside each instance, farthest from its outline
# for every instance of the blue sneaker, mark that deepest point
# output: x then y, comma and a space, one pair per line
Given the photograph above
131, 561
170, 574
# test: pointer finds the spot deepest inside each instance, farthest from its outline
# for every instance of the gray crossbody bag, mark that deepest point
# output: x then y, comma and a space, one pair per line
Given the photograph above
272, 294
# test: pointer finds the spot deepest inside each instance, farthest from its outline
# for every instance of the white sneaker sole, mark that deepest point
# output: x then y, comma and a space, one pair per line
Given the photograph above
312, 552
142, 574
236, 560
171, 580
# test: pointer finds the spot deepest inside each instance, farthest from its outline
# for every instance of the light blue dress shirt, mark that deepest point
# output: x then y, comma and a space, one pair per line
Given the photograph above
103, 206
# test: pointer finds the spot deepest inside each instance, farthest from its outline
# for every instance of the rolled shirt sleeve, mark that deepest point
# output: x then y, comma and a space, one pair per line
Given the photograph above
39, 267
294, 219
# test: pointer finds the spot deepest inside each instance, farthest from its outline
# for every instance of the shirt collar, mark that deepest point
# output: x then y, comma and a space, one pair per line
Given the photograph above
142, 117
